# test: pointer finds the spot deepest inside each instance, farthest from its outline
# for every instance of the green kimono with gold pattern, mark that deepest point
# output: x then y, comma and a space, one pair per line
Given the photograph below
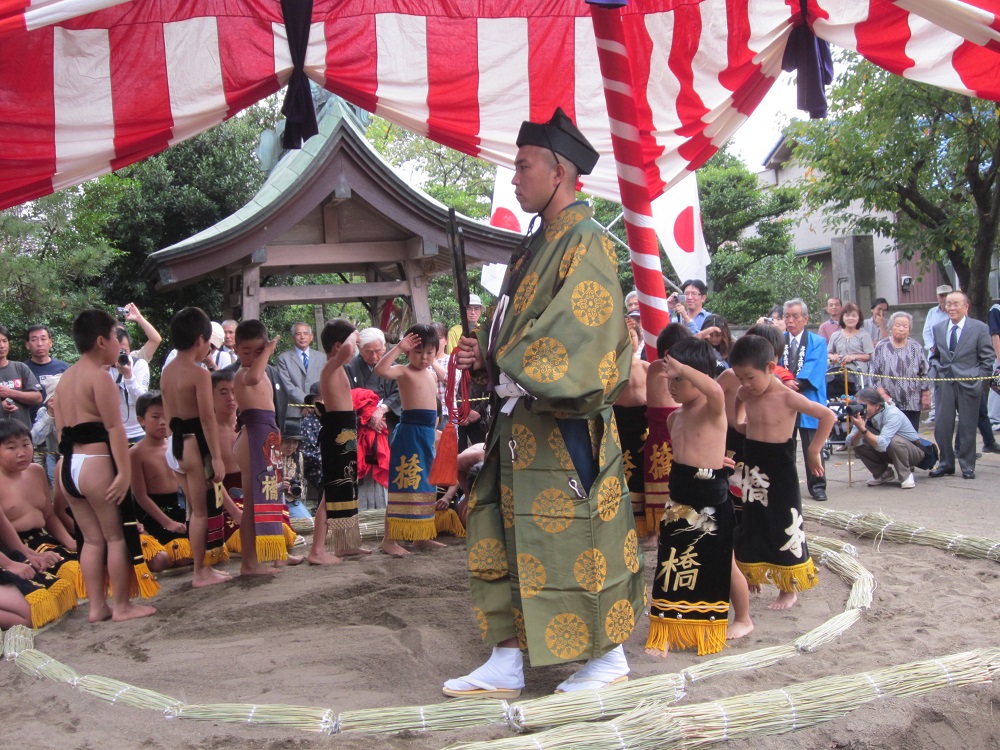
550, 564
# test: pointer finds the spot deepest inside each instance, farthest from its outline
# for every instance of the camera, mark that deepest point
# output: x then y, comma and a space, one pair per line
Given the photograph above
295, 488
122, 311
769, 320
9, 401
123, 359
852, 410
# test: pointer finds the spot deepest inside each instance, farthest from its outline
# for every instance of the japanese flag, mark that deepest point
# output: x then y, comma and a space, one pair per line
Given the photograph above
507, 213
677, 221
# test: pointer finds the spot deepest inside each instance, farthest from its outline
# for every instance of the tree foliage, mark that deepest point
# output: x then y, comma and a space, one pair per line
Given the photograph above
52, 256
911, 162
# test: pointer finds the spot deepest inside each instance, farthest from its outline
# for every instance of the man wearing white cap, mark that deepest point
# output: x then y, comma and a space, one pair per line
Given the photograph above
472, 313
935, 316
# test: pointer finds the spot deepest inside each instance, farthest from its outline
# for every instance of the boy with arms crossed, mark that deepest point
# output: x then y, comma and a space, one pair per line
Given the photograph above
770, 543
187, 403
412, 498
95, 471
690, 603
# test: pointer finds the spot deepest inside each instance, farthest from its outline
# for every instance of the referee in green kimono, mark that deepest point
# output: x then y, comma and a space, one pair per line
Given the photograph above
553, 556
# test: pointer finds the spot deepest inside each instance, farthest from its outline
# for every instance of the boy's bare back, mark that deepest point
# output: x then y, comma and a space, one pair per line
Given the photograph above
657, 394
181, 383
771, 415
87, 388
334, 385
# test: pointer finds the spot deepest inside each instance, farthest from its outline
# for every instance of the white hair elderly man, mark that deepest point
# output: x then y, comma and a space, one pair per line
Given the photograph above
361, 374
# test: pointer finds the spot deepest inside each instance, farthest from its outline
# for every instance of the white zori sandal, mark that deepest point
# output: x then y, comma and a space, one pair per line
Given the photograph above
502, 676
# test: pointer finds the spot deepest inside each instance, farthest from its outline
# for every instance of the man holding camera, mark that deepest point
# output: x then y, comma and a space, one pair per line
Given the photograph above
884, 439
691, 309
131, 375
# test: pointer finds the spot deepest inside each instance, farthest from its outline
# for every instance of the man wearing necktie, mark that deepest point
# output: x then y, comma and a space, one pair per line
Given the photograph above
805, 356
300, 367
962, 349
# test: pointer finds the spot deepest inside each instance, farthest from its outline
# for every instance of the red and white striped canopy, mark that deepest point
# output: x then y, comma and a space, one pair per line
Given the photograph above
88, 86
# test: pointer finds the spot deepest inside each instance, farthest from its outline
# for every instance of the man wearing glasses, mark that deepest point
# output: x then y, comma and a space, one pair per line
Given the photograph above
805, 356
691, 310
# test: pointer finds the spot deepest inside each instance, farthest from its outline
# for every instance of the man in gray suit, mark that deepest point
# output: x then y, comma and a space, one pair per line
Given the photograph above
962, 349
300, 367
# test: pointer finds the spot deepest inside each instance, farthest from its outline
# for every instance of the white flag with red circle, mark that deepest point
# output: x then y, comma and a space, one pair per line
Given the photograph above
507, 213
677, 221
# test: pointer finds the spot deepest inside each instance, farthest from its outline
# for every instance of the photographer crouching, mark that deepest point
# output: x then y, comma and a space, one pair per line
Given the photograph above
884, 440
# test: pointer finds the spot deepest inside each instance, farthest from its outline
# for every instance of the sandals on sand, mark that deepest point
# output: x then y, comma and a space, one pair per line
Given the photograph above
576, 682
481, 689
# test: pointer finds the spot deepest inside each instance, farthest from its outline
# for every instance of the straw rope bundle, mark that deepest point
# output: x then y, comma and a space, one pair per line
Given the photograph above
36, 663
301, 525
306, 718
116, 691
450, 715
840, 558
592, 705
880, 526
828, 631
17, 639
372, 523
660, 727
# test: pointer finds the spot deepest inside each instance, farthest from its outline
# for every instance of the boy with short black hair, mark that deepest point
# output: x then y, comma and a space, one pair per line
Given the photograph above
770, 543
96, 472
165, 543
186, 389
691, 586
337, 514
412, 498
258, 453
20, 392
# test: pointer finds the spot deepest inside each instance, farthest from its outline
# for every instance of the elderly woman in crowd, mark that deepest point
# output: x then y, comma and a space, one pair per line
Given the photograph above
850, 348
899, 356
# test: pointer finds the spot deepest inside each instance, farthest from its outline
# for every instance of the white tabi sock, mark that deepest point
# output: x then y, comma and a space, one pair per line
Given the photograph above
597, 673
504, 669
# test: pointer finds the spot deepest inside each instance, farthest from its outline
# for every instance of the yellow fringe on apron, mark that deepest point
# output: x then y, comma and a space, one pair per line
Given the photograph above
44, 608
217, 555
150, 547
290, 535
447, 522
233, 543
412, 530
788, 579
271, 548
178, 549
707, 636
143, 584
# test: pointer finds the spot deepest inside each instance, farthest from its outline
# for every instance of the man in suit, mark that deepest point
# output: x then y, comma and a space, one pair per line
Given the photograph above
962, 349
805, 356
300, 367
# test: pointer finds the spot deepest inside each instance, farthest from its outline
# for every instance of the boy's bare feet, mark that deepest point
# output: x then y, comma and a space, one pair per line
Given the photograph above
322, 557
132, 612
428, 544
352, 551
785, 600
658, 652
738, 629
256, 569
754, 588
290, 560
391, 547
209, 576
99, 611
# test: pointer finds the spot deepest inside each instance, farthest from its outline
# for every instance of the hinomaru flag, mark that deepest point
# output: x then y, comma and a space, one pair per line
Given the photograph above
507, 213
677, 221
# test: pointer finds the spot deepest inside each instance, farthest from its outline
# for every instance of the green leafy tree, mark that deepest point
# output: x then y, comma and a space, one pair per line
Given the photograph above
911, 162
52, 256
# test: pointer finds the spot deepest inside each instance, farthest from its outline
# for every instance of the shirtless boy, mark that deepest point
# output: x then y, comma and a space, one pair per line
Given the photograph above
412, 498
224, 397
257, 451
630, 416
187, 401
154, 486
337, 514
95, 471
690, 603
770, 543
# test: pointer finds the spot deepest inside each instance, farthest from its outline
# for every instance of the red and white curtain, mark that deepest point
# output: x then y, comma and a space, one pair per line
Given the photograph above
88, 86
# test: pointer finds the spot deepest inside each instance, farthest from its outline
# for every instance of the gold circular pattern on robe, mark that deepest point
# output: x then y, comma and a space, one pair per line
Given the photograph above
546, 360
507, 506
558, 447
591, 570
632, 551
525, 292
592, 304
481, 621
620, 621
567, 636
571, 259
526, 446
552, 511
609, 497
615, 437
607, 371
488, 560
531, 575
609, 249
519, 629
473, 498
561, 224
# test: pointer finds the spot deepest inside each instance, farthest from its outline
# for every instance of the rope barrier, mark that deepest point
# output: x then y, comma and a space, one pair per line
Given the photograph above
916, 380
